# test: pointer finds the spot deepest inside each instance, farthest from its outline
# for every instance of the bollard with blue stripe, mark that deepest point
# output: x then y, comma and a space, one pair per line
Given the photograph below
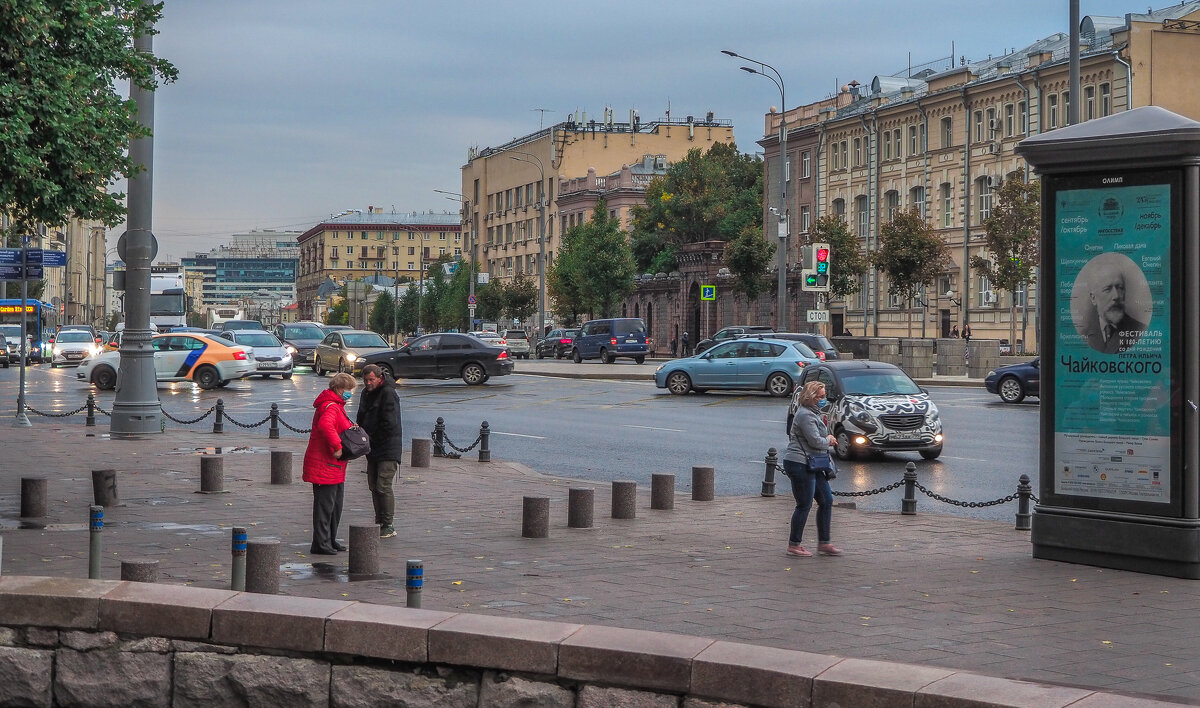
97, 525
237, 579
413, 582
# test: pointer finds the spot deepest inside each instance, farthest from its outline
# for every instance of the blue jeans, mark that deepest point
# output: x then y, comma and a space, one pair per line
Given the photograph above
806, 487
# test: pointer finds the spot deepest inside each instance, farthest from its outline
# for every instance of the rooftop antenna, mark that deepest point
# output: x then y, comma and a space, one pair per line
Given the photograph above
668, 110
541, 114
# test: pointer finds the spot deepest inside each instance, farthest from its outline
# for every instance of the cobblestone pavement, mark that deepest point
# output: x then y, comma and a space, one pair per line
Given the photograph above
928, 588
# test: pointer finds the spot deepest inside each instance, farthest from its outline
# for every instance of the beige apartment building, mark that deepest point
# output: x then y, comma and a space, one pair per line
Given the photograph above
505, 187
78, 289
370, 244
940, 139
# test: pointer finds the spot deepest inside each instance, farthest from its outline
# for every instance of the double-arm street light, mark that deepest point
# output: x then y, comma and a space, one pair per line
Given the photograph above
782, 211
544, 205
467, 245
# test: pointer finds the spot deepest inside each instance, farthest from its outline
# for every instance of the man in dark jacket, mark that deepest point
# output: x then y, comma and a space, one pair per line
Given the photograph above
379, 416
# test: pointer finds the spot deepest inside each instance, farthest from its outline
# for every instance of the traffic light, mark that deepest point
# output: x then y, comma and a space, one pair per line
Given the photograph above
815, 271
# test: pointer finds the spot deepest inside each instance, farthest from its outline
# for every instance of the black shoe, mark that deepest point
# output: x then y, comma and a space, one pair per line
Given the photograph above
322, 551
338, 545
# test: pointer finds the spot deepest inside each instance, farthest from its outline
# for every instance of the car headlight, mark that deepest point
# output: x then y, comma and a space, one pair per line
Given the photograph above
352, 357
57, 351
990, 374
290, 349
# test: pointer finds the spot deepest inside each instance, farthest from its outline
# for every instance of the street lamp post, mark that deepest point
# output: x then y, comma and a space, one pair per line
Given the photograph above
781, 256
544, 206
468, 243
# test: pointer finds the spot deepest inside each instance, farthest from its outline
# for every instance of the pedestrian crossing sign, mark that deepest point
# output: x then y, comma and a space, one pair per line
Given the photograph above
708, 292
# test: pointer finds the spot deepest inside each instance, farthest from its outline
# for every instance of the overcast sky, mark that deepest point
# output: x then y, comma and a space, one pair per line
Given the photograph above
287, 111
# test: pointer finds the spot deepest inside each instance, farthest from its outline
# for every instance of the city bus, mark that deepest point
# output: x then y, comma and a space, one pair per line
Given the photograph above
41, 322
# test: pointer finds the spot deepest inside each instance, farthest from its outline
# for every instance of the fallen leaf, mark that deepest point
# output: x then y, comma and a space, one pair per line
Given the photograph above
456, 582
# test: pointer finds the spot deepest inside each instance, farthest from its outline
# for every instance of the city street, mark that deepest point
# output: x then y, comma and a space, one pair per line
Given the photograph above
620, 429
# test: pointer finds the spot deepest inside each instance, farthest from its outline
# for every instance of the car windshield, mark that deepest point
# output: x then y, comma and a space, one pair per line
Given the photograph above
241, 324
878, 382
303, 333
625, 327
74, 336
364, 340
11, 330
259, 340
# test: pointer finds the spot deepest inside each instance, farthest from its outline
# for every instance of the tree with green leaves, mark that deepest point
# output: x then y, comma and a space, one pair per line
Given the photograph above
489, 300
706, 196
912, 255
435, 291
564, 279
520, 299
1012, 239
453, 307
407, 310
595, 264
382, 312
848, 262
748, 257
64, 130
339, 313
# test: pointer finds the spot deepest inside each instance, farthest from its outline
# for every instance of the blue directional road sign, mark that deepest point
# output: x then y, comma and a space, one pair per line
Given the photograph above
10, 264
53, 259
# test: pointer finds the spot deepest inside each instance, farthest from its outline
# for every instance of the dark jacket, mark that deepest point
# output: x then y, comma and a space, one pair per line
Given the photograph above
379, 415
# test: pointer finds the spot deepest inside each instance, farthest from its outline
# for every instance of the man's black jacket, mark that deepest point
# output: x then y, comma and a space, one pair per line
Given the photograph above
379, 415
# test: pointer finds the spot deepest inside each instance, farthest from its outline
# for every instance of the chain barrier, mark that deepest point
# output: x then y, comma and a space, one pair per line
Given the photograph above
247, 426
301, 431
35, 411
462, 450
968, 504
101, 410
880, 490
182, 421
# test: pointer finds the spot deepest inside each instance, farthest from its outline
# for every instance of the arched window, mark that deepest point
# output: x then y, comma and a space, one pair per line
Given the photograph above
839, 208
892, 199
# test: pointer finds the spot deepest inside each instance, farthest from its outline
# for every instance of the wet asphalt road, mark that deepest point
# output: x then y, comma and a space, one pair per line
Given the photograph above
603, 430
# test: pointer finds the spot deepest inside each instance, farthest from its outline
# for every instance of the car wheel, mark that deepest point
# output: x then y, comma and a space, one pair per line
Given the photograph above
639, 359
779, 385
606, 357
206, 378
288, 375
679, 383
1011, 390
341, 366
53, 365
932, 454
317, 368
473, 374
388, 370
105, 378
540, 356
845, 446
225, 382
575, 356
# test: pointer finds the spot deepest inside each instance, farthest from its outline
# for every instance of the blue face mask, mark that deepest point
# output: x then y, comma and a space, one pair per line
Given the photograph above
822, 403
347, 395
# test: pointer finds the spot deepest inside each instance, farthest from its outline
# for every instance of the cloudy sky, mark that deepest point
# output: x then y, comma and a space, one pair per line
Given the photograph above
289, 110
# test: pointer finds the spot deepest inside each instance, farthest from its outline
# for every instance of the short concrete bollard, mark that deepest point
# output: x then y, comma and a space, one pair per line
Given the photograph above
104, 487
262, 566
624, 499
535, 517
281, 467
581, 504
662, 491
422, 449
212, 474
140, 570
703, 483
364, 550
33, 497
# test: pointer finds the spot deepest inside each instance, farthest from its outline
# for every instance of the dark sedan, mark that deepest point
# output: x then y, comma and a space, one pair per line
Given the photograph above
1015, 381
445, 356
557, 343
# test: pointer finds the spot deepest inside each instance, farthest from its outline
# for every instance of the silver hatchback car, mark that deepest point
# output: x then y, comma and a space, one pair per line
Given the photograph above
271, 357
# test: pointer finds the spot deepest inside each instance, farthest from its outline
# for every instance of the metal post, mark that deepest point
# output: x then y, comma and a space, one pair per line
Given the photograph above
274, 432
91, 410
219, 417
1073, 71
22, 420
1024, 491
771, 460
485, 452
439, 437
908, 506
237, 578
137, 410
413, 580
97, 526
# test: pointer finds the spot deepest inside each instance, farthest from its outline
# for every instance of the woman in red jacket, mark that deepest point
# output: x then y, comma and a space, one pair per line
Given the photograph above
323, 466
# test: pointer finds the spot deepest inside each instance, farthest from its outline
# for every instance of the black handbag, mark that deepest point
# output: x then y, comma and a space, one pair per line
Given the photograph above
355, 441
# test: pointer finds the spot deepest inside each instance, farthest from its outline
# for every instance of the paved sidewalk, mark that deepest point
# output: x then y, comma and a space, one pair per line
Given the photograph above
932, 589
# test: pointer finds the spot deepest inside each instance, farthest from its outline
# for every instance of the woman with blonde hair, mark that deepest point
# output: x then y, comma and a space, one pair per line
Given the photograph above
809, 435
324, 467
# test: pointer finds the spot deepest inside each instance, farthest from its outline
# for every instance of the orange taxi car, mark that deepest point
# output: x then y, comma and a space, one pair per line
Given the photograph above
181, 356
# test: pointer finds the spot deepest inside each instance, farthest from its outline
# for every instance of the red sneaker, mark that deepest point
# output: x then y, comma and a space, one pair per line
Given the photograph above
828, 549
798, 551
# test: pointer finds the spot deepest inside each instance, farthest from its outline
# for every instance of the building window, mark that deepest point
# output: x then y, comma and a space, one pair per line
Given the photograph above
896, 143
862, 207
947, 132
990, 123
978, 126
1089, 102
411, 266
1066, 102
1105, 99
805, 219
887, 146
839, 208
892, 199
1009, 120
845, 161
983, 187
1052, 111
412, 250
914, 148
947, 205
857, 152
333, 252
395, 251
923, 140
916, 197
804, 165
833, 156
1023, 115
363, 236
442, 236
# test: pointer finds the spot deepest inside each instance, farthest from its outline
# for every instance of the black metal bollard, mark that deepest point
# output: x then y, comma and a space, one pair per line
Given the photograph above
413, 581
485, 452
95, 529
91, 410
771, 461
237, 578
274, 432
908, 506
1024, 491
219, 417
439, 438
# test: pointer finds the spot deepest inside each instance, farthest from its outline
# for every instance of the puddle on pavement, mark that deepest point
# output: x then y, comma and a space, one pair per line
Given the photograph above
326, 571
239, 450
14, 525
206, 529
160, 501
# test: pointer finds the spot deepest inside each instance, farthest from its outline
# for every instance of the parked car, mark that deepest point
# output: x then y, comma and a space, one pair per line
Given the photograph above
818, 343
79, 328
874, 407
343, 350
755, 364
12, 334
445, 355
4, 352
557, 343
611, 338
71, 346
303, 339
518, 343
1015, 381
230, 325
493, 338
112, 343
270, 355
335, 328
208, 362
726, 333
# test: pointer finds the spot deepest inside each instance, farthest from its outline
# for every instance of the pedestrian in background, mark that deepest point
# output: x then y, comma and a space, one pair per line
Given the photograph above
954, 332
684, 342
379, 416
324, 467
674, 346
966, 332
808, 435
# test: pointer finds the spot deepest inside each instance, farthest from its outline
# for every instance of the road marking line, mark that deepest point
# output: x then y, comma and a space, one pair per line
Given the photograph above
647, 427
518, 435
964, 459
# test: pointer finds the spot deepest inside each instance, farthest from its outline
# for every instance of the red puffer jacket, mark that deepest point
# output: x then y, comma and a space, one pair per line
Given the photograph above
329, 420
